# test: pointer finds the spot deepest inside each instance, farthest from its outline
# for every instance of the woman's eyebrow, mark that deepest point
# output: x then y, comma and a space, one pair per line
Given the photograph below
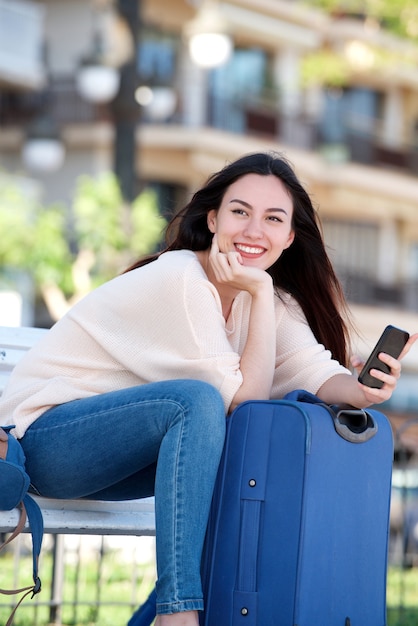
248, 206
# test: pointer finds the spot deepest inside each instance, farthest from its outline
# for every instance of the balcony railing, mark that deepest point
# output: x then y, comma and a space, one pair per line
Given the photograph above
365, 290
251, 117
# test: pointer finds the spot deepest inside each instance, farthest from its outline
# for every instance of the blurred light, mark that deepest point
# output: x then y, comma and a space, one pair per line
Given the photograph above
159, 102
210, 44
210, 49
98, 83
360, 56
144, 95
43, 150
43, 155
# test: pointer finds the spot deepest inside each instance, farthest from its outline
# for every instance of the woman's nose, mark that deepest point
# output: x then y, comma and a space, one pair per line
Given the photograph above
253, 229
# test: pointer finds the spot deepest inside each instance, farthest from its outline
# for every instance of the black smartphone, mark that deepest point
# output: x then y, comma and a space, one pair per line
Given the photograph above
392, 341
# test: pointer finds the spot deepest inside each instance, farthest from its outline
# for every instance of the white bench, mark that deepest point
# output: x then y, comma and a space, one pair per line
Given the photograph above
81, 517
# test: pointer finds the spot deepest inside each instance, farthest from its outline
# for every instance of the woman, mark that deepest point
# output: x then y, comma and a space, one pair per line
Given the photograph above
127, 394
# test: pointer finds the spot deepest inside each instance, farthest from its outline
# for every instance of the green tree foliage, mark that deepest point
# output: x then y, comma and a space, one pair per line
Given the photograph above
325, 67
70, 251
397, 16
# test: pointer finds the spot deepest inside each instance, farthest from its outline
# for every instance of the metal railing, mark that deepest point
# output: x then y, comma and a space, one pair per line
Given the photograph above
85, 579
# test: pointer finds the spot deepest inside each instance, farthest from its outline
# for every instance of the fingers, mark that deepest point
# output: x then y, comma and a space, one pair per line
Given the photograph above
216, 254
389, 380
224, 265
373, 394
357, 362
214, 249
393, 364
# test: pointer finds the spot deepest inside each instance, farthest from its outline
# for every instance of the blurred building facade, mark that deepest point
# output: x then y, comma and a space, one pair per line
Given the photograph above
354, 144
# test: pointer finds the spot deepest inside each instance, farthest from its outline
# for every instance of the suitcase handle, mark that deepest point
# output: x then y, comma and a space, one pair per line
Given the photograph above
354, 425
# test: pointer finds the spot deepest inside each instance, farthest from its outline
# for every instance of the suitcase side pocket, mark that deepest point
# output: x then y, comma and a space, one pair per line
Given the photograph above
253, 489
245, 592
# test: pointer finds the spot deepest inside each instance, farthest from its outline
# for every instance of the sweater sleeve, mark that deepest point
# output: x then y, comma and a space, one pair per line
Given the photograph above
170, 325
301, 362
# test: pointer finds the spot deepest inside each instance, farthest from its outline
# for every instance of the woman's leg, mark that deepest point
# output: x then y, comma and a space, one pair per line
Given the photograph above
105, 445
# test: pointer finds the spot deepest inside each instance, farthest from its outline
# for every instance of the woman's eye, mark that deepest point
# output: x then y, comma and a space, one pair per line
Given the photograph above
239, 211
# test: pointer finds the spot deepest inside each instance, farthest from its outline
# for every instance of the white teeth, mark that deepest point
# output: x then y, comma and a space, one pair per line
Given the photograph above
250, 250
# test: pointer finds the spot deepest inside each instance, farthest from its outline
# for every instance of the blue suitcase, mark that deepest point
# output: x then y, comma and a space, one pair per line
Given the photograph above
298, 532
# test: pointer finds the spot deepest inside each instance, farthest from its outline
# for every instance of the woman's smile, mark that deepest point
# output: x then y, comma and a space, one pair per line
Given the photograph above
249, 251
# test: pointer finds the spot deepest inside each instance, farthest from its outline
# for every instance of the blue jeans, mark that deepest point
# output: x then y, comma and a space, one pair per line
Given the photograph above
162, 438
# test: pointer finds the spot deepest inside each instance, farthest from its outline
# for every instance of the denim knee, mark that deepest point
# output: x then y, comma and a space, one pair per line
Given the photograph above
208, 406
204, 412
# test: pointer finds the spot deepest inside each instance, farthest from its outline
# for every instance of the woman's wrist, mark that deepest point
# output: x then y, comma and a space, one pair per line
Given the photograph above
262, 289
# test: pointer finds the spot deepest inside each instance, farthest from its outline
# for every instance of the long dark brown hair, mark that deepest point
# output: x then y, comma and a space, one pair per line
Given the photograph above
304, 269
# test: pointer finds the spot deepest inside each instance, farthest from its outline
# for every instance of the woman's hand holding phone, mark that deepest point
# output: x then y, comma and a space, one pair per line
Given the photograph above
391, 342
380, 373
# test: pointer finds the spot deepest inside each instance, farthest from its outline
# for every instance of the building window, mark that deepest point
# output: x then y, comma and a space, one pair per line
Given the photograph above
157, 54
235, 85
353, 250
350, 116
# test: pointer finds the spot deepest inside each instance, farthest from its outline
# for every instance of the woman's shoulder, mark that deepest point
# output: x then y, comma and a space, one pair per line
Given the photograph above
179, 258
173, 272
171, 265
287, 305
181, 265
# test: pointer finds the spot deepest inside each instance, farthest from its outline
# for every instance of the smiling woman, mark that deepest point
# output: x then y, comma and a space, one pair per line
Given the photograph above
264, 194
242, 304
253, 221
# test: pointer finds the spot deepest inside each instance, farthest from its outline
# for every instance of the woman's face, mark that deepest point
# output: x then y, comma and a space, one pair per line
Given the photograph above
254, 219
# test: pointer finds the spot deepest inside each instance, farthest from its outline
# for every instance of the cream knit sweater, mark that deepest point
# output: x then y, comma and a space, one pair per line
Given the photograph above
162, 321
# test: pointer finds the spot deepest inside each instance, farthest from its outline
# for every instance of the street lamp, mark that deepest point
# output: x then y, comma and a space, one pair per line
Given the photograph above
98, 76
126, 111
100, 82
210, 44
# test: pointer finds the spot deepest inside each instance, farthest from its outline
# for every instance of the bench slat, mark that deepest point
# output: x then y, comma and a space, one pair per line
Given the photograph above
4, 377
14, 343
90, 517
9, 357
20, 337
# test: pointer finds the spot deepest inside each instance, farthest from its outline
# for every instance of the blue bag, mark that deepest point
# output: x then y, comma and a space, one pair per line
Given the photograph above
14, 485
